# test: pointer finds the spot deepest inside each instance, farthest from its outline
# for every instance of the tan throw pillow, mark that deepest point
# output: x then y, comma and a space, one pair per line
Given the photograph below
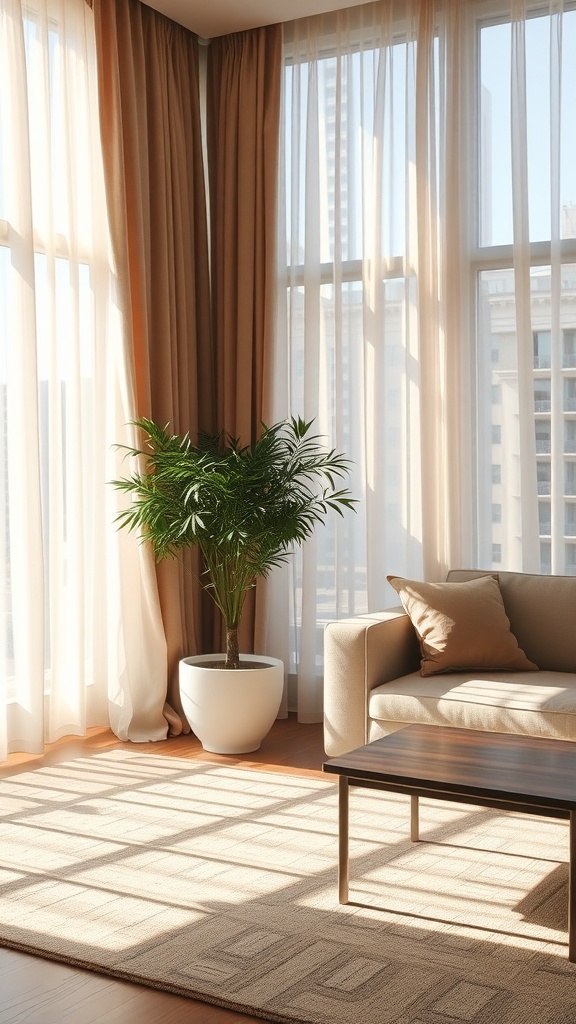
461, 626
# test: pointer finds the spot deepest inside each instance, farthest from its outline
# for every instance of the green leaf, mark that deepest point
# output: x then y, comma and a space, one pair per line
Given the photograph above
245, 507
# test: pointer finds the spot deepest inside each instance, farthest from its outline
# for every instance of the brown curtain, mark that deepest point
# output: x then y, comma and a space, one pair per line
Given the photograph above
243, 125
148, 79
243, 118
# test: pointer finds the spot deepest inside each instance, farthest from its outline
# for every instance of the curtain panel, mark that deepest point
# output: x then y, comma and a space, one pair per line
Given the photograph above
188, 372
79, 629
243, 118
371, 307
426, 262
148, 70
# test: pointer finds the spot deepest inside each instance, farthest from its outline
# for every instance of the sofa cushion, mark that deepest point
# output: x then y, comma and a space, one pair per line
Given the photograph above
542, 613
461, 625
515, 702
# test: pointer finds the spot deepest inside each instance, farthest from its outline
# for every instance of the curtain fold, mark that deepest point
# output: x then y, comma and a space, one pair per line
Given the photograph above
243, 117
528, 513
148, 72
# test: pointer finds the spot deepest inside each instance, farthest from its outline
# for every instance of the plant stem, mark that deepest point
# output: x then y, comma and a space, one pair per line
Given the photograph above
232, 650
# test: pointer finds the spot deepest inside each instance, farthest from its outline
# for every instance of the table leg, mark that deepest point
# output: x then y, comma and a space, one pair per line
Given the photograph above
572, 890
414, 823
343, 824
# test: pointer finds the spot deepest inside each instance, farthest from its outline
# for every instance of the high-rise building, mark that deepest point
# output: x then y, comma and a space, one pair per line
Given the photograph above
533, 452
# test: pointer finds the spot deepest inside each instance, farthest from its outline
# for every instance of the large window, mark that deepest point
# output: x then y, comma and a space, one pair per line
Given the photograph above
427, 274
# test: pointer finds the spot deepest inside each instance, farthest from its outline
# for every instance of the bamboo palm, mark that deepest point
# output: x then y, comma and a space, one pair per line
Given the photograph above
244, 507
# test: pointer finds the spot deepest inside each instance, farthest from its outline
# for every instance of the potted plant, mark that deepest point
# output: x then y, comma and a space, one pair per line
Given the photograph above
244, 507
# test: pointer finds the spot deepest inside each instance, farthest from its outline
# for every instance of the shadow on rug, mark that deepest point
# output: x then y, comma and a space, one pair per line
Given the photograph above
221, 883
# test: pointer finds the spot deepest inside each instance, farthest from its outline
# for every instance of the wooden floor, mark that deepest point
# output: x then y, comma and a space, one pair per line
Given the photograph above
37, 991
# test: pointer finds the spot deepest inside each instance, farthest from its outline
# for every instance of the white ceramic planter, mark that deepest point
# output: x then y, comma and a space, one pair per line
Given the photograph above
230, 711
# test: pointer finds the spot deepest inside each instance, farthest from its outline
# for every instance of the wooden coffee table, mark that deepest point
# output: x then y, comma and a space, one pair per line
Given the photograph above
512, 773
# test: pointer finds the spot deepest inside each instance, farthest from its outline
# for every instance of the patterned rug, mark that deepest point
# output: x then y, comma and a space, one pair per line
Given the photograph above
221, 883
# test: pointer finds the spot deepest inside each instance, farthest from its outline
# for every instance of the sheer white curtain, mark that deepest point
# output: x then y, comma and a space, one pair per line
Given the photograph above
372, 292
427, 268
81, 641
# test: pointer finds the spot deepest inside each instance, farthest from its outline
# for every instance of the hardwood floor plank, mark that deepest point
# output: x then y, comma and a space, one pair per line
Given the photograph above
37, 991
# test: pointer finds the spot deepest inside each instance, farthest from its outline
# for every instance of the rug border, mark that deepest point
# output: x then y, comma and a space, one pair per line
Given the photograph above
119, 975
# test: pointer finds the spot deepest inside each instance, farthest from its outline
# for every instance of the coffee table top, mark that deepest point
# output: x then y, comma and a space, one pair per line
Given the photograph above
501, 766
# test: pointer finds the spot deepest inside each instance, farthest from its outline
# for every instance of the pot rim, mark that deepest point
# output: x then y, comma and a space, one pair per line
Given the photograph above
198, 660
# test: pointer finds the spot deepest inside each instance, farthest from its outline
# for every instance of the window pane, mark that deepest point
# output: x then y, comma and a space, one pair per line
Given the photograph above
549, 465
570, 519
357, 149
65, 408
375, 379
570, 550
545, 518
570, 435
541, 340
495, 129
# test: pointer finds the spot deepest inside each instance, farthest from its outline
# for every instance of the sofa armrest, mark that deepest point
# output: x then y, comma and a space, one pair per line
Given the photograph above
359, 654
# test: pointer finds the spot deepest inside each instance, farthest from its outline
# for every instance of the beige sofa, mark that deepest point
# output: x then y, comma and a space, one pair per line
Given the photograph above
373, 683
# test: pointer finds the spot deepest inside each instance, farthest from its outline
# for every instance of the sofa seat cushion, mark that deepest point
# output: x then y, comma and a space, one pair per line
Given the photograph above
515, 702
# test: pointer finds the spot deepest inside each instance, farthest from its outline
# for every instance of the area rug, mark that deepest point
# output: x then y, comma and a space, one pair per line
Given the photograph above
221, 883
